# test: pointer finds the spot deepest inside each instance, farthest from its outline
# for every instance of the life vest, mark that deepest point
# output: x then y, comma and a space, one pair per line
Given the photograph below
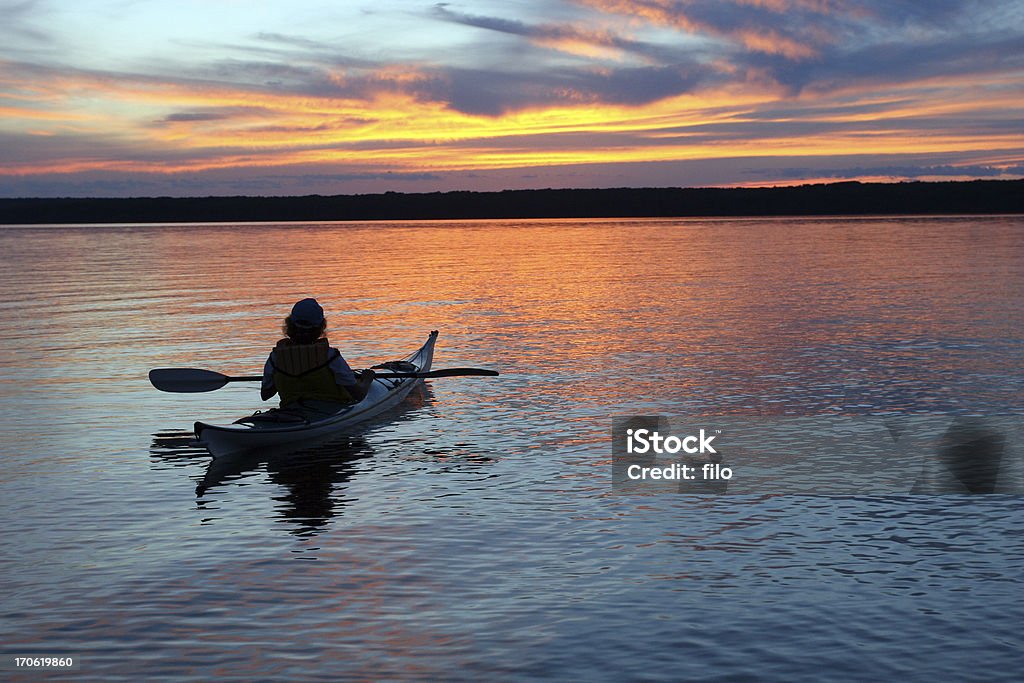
301, 372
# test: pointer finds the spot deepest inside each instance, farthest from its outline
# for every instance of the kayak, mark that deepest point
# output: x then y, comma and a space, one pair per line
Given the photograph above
288, 429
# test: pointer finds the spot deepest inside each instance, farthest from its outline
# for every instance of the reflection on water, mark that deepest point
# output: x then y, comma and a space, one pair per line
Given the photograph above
308, 475
476, 535
312, 481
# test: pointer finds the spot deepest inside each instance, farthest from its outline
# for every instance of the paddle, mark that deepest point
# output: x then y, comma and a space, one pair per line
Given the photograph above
192, 380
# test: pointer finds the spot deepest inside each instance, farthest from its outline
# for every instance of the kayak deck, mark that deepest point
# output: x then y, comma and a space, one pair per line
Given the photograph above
275, 429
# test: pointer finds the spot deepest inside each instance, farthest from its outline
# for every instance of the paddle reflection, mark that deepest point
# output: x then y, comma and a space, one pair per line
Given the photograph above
176, 448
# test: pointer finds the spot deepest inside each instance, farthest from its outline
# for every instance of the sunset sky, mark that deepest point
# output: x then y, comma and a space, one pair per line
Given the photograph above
146, 97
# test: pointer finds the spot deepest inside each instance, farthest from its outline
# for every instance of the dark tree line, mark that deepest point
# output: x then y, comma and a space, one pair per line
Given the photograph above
846, 198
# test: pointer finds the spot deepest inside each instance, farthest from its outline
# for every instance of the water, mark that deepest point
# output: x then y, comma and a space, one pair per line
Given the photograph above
474, 534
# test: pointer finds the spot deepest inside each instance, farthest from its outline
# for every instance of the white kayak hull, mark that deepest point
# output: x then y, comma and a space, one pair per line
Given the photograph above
254, 437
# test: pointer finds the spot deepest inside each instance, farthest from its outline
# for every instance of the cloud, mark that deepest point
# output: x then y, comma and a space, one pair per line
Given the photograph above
20, 24
214, 114
946, 57
588, 42
293, 41
492, 93
335, 179
800, 45
204, 183
798, 40
794, 30
610, 68
458, 89
901, 172
851, 43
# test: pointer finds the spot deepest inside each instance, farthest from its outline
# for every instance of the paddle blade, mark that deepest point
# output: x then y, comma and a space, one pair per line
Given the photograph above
187, 380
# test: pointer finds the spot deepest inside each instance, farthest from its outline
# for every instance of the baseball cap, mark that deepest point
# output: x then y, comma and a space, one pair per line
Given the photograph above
307, 313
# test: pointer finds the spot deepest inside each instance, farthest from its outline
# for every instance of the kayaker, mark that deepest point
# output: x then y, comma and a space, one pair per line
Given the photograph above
306, 370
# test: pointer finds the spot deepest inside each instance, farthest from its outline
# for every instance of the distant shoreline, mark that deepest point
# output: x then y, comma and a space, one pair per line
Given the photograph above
843, 198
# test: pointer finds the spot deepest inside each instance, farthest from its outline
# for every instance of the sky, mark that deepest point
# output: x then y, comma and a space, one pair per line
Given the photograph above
259, 97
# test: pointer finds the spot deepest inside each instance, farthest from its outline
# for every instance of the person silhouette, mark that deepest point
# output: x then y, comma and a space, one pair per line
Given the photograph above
305, 370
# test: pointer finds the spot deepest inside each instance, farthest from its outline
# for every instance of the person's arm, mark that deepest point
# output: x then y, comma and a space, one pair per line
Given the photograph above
267, 389
362, 385
357, 386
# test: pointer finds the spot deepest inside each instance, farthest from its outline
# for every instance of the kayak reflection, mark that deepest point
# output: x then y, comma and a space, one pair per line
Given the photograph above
310, 478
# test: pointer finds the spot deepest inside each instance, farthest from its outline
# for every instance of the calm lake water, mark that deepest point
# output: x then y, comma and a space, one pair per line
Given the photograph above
475, 534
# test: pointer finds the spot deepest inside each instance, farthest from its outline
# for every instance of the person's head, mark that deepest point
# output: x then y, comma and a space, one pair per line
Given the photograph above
306, 323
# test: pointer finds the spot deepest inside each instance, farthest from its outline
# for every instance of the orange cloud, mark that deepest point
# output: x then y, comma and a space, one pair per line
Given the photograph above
763, 39
387, 120
772, 43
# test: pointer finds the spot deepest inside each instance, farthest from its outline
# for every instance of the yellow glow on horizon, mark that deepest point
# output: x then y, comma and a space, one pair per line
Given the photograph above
389, 131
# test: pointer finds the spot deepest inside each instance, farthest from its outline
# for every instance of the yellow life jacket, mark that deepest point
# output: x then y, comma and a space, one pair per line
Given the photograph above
301, 372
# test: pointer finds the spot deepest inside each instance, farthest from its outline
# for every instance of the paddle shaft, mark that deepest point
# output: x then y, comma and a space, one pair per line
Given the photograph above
190, 380
449, 372
379, 375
